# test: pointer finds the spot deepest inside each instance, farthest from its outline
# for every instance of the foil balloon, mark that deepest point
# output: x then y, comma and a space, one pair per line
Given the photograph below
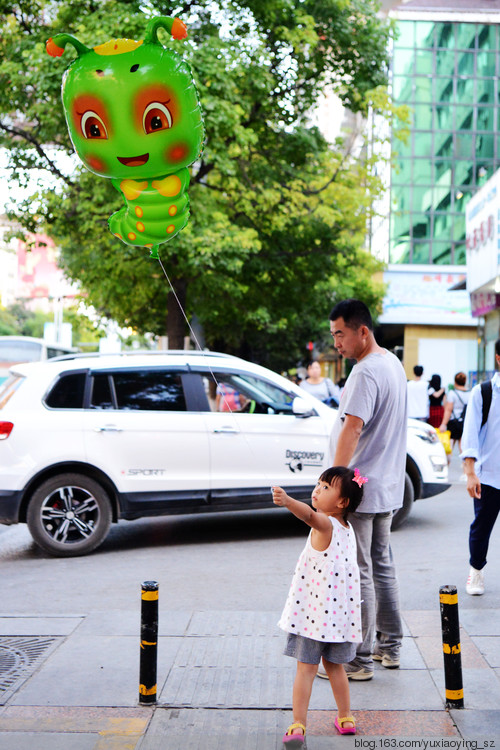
134, 116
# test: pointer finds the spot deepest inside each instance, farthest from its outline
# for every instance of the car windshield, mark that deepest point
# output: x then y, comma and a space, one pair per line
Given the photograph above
20, 351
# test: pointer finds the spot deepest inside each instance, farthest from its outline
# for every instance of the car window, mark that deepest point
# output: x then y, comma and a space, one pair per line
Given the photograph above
67, 392
237, 392
152, 390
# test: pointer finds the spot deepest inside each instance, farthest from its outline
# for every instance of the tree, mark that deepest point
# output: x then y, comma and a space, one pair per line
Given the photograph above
278, 215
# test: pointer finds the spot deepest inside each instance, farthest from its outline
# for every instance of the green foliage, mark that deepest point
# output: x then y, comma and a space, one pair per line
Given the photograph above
18, 320
278, 215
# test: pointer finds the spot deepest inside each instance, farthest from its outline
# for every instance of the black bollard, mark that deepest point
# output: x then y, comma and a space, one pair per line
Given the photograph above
149, 642
453, 684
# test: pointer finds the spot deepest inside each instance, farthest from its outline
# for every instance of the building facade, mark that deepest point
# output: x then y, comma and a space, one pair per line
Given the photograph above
483, 268
445, 70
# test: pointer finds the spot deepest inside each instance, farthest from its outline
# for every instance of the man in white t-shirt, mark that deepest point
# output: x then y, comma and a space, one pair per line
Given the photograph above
370, 435
418, 395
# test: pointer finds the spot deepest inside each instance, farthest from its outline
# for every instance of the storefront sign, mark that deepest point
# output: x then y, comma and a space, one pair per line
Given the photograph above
482, 235
425, 297
484, 302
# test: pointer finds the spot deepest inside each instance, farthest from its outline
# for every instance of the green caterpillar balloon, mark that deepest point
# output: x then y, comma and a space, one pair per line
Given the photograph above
133, 115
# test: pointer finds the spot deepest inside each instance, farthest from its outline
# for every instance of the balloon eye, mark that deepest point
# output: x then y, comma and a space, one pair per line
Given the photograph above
93, 127
156, 117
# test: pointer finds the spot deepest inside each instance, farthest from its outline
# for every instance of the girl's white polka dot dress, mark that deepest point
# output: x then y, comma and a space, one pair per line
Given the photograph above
324, 601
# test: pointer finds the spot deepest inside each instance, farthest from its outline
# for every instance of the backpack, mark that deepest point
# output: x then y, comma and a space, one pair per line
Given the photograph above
487, 394
462, 415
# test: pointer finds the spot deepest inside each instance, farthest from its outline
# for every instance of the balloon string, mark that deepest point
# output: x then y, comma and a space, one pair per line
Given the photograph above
207, 361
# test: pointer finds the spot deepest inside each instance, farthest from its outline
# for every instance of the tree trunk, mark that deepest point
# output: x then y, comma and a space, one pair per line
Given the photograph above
176, 324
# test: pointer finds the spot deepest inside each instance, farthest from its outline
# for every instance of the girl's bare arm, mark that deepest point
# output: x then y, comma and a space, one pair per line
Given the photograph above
317, 521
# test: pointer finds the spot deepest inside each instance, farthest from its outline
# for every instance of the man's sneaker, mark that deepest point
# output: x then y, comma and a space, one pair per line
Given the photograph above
387, 661
358, 673
475, 582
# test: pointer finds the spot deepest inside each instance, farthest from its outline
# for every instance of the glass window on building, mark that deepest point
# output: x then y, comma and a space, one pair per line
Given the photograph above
421, 252
447, 74
441, 253
487, 38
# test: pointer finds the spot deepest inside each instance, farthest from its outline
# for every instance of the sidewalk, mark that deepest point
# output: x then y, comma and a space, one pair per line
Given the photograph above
223, 683
72, 682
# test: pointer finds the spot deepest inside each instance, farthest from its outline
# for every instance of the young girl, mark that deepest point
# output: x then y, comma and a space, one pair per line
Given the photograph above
322, 614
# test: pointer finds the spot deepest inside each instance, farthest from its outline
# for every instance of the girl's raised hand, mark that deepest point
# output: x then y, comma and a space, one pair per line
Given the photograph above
279, 496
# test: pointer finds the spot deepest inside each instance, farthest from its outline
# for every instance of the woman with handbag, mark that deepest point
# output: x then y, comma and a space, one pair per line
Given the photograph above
436, 396
454, 410
322, 388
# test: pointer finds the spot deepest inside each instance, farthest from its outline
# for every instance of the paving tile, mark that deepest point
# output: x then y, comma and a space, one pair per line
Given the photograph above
489, 647
109, 670
396, 689
478, 725
118, 622
424, 622
75, 719
245, 623
481, 687
480, 621
387, 723
201, 729
39, 625
48, 741
431, 648
411, 658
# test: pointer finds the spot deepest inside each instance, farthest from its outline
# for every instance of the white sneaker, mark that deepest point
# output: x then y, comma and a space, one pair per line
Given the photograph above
389, 662
475, 582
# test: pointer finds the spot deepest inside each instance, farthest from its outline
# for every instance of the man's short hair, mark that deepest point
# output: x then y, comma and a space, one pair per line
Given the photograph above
460, 378
354, 312
418, 370
497, 347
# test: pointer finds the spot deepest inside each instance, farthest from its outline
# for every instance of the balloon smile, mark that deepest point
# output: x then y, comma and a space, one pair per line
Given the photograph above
133, 161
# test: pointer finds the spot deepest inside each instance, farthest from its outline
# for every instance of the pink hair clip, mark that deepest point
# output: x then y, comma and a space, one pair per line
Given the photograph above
360, 481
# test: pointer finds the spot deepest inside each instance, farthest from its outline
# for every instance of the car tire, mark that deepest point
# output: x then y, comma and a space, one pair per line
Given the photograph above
402, 513
69, 515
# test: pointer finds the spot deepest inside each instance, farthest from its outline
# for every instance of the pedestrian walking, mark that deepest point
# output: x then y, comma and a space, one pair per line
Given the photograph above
455, 409
418, 395
436, 398
322, 614
480, 452
371, 432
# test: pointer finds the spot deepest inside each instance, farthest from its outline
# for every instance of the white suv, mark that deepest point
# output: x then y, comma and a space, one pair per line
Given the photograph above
88, 440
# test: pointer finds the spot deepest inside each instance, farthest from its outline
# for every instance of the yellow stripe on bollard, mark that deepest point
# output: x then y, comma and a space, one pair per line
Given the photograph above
452, 649
150, 596
143, 690
448, 598
454, 695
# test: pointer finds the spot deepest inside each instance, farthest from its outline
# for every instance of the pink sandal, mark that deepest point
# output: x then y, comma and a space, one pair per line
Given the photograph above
294, 741
339, 725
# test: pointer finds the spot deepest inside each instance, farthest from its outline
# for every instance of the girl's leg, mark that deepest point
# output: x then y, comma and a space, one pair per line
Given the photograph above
302, 687
340, 687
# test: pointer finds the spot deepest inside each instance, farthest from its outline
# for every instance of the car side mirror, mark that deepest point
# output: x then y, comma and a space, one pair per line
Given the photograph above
301, 408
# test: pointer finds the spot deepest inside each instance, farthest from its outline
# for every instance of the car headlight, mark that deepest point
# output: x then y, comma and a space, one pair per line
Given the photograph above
438, 464
427, 434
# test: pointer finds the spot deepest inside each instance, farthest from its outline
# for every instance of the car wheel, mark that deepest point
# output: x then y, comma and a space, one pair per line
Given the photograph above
402, 513
69, 515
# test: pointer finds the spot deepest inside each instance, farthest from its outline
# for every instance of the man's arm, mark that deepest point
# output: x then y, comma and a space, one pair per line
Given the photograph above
473, 481
470, 442
348, 440
446, 415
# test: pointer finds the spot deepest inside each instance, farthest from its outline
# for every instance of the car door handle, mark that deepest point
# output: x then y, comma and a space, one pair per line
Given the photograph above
108, 428
227, 429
